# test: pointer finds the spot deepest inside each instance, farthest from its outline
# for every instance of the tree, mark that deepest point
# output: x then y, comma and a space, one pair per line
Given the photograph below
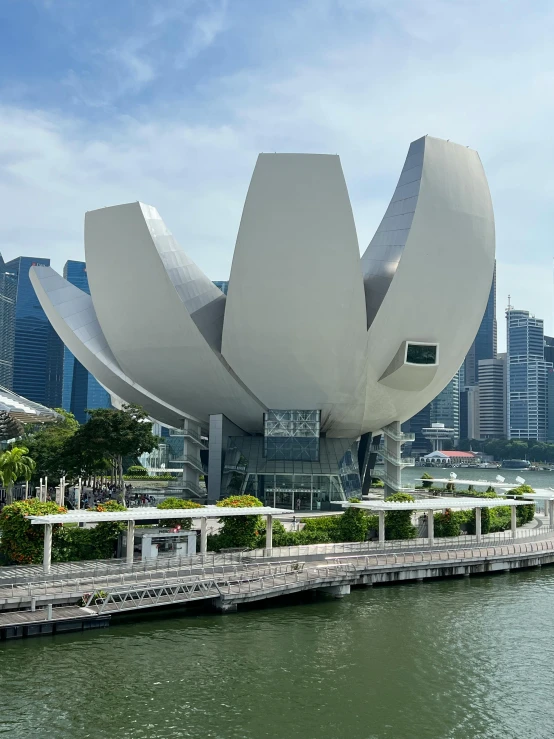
426, 480
47, 444
111, 435
15, 465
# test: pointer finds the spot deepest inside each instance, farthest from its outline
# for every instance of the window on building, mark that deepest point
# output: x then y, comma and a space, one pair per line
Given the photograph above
421, 354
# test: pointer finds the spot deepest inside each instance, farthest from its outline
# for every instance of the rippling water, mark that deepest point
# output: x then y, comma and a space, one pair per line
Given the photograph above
451, 659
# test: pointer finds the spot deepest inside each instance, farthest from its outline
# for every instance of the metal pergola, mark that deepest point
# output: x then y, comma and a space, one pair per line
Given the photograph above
430, 505
132, 515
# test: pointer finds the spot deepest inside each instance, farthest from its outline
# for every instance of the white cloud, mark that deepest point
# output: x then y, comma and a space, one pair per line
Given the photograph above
361, 78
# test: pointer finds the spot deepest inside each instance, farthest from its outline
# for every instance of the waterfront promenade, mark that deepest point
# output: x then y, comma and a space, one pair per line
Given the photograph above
87, 595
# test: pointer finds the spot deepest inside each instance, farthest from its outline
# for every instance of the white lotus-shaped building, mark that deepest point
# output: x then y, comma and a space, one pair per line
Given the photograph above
306, 325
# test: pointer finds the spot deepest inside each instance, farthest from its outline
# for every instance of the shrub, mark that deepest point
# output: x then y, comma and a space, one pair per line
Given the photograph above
447, 523
23, 542
376, 482
240, 531
136, 470
525, 513
398, 524
170, 503
427, 480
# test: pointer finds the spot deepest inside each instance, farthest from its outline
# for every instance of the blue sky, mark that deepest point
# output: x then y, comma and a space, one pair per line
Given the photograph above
170, 101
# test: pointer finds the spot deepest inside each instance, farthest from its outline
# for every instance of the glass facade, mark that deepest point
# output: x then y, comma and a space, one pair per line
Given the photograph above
527, 375
223, 285
484, 346
8, 295
38, 351
292, 434
296, 484
80, 389
421, 354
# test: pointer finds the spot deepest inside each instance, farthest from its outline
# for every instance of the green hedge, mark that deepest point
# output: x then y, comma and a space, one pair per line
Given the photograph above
398, 524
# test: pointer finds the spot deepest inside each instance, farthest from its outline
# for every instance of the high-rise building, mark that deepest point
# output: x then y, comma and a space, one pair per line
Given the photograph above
80, 389
527, 384
8, 294
549, 349
470, 420
445, 409
484, 346
492, 397
37, 349
223, 285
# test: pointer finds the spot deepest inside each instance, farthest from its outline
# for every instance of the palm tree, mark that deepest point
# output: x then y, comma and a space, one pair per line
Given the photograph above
14, 465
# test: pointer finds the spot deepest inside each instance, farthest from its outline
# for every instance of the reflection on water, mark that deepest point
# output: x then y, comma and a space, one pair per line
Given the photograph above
451, 659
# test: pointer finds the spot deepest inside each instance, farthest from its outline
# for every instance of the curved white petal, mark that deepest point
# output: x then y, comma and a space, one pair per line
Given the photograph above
161, 316
436, 288
72, 314
295, 325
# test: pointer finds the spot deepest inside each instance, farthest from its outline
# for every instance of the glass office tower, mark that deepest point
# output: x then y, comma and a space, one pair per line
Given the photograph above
37, 349
80, 389
8, 295
527, 374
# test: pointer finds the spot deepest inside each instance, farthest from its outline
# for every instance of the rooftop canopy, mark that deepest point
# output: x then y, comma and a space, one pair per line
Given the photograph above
25, 410
147, 514
436, 504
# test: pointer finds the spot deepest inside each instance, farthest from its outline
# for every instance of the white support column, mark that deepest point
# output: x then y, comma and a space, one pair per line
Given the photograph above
26, 489
269, 535
130, 551
203, 535
40, 490
47, 555
478, 525
431, 527
45, 489
546, 505
552, 512
514, 520
79, 492
382, 528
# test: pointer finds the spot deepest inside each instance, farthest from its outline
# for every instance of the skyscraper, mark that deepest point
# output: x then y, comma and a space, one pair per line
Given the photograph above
492, 397
8, 294
445, 408
484, 346
527, 411
37, 349
80, 389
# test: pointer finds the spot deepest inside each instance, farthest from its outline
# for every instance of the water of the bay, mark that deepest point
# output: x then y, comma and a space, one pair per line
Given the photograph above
464, 658
535, 478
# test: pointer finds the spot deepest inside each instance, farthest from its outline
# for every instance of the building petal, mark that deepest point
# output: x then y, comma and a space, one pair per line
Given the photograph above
295, 326
167, 334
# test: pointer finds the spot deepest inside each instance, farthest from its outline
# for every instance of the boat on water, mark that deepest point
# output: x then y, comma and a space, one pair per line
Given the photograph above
516, 464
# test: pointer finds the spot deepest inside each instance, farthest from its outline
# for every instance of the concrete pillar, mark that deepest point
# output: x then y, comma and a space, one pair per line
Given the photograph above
203, 535
47, 554
552, 512
269, 535
130, 551
514, 520
478, 525
79, 492
546, 506
393, 447
431, 527
382, 528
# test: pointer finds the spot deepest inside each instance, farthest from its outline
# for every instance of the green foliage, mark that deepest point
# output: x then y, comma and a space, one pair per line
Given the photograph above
99, 542
46, 445
15, 465
152, 478
398, 524
136, 470
21, 542
427, 480
376, 482
172, 503
110, 435
525, 513
243, 532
